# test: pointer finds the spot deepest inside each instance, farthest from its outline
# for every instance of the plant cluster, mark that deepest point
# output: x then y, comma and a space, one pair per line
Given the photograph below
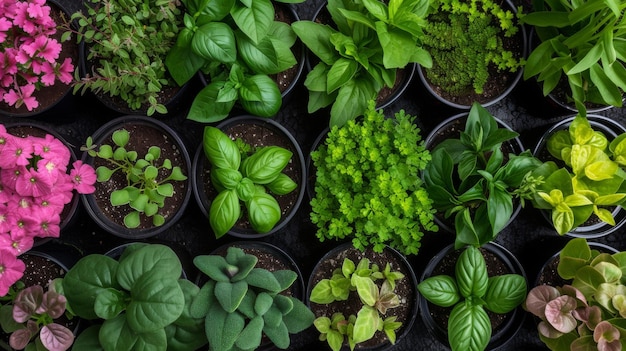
469, 293
148, 181
465, 39
590, 313
29, 52
137, 301
36, 183
127, 42
241, 176
367, 184
361, 51
30, 318
470, 178
588, 179
241, 302
376, 299
238, 44
582, 42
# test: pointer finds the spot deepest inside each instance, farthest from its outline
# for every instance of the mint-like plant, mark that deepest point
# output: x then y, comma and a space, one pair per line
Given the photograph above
238, 44
241, 302
137, 301
360, 52
367, 184
30, 318
147, 187
588, 180
469, 179
244, 178
375, 289
469, 293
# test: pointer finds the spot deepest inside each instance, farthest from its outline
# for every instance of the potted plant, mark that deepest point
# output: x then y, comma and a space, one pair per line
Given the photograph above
137, 300
141, 166
249, 176
576, 52
461, 282
238, 45
367, 185
240, 303
583, 180
478, 51
586, 311
36, 60
125, 45
362, 298
473, 179
360, 52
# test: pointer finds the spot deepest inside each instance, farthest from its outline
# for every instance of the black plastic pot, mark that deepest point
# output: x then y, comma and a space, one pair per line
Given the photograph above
509, 327
398, 262
310, 167
611, 129
201, 169
176, 143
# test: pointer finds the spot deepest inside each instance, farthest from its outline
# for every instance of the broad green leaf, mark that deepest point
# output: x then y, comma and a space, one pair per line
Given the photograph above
215, 41
340, 73
263, 212
206, 109
260, 96
255, 20
316, 37
224, 212
505, 292
220, 149
351, 101
471, 273
116, 334
146, 260
223, 328
156, 301
266, 163
440, 290
109, 303
366, 324
469, 328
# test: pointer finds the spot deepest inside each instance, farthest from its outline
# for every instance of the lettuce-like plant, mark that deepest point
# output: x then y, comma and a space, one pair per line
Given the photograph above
241, 302
376, 298
238, 44
360, 52
588, 180
242, 177
30, 317
469, 293
469, 179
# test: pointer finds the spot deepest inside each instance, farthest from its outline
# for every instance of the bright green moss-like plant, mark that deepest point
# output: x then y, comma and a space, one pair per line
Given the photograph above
368, 186
465, 39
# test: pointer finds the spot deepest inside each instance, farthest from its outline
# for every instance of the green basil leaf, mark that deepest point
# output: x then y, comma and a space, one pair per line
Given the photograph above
341, 72
220, 149
245, 189
469, 328
147, 259
260, 96
316, 37
215, 41
440, 290
471, 273
282, 185
156, 301
264, 166
224, 212
182, 63
351, 101
263, 212
116, 334
227, 177
254, 20
206, 109
261, 57
505, 292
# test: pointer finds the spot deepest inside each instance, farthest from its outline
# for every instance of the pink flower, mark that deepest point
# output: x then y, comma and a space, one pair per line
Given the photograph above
43, 47
53, 200
5, 220
84, 177
24, 226
65, 70
49, 75
11, 270
33, 183
16, 151
23, 95
16, 245
47, 222
9, 176
52, 149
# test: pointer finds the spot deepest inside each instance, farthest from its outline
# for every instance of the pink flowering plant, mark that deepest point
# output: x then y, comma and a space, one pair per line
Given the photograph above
29, 52
35, 186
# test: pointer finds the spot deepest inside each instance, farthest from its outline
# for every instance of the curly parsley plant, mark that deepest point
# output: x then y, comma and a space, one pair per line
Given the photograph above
368, 185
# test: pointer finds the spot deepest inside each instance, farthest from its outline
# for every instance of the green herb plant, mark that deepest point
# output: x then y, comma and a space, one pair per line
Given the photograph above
147, 187
126, 42
238, 45
469, 293
465, 39
360, 52
245, 179
374, 287
241, 302
470, 180
588, 180
582, 42
589, 314
135, 302
367, 184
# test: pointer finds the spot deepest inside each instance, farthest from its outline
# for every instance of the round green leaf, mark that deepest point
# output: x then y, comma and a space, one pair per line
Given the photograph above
263, 212
440, 290
264, 166
215, 41
260, 96
505, 292
156, 301
224, 212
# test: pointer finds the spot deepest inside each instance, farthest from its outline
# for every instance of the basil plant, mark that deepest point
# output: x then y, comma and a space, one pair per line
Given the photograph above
245, 179
469, 293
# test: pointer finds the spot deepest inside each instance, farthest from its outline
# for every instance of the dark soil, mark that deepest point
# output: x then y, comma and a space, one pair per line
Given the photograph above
142, 137
405, 289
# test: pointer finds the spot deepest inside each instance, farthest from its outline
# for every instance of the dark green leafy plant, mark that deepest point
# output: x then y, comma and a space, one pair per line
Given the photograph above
127, 41
582, 42
465, 40
361, 52
238, 44
137, 301
589, 179
146, 188
469, 179
376, 299
240, 176
367, 184
241, 302
469, 293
